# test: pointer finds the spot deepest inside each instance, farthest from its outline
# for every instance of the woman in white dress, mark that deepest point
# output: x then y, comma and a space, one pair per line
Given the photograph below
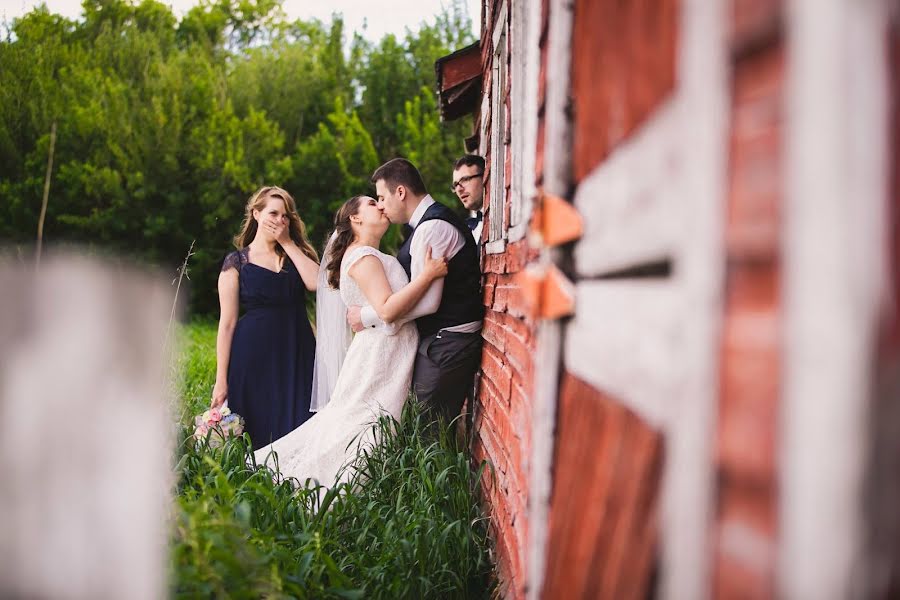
375, 375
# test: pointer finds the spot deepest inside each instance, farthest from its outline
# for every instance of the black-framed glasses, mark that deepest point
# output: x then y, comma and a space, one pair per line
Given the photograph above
464, 180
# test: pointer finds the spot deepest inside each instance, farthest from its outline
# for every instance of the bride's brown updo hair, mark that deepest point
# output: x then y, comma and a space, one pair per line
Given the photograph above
343, 238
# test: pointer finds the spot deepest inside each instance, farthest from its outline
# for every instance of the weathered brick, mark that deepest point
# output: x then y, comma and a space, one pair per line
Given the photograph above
518, 352
488, 290
493, 330
501, 294
495, 370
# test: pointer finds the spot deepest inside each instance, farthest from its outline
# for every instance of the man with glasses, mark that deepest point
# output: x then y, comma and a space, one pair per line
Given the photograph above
468, 185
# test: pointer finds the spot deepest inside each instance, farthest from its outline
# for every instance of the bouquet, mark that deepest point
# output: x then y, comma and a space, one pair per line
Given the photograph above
221, 422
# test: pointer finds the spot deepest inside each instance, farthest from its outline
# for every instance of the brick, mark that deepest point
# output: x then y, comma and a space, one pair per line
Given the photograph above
498, 413
516, 305
518, 255
519, 354
501, 296
488, 296
516, 470
493, 331
504, 560
496, 371
495, 263
493, 448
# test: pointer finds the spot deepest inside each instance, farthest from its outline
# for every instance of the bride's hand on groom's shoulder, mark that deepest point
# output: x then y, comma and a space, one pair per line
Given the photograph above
434, 268
219, 395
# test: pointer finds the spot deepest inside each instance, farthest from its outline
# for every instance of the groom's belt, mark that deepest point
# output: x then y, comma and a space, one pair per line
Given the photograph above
471, 327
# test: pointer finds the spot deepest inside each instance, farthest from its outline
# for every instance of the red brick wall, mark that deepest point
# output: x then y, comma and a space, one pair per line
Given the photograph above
746, 511
503, 406
603, 524
503, 417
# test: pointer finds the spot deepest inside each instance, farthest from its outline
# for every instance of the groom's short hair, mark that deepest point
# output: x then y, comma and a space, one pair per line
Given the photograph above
399, 171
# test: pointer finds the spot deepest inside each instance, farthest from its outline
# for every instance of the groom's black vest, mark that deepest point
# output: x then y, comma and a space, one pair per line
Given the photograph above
461, 299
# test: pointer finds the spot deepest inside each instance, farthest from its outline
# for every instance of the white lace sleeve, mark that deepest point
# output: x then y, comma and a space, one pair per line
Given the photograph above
354, 255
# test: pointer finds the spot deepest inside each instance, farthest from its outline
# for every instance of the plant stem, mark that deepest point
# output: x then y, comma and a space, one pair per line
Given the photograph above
40, 231
182, 271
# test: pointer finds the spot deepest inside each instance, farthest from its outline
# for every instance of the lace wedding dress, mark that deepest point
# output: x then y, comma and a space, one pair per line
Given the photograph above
374, 380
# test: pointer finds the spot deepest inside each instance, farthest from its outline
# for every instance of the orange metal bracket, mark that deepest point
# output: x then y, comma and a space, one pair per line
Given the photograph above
548, 293
556, 220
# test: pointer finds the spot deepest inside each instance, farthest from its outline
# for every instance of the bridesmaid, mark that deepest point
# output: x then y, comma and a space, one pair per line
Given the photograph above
264, 360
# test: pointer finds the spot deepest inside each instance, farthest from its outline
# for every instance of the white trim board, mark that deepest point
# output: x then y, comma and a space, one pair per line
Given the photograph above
632, 203
834, 282
557, 176
625, 340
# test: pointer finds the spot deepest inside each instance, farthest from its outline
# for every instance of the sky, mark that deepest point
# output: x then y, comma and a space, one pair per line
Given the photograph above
386, 16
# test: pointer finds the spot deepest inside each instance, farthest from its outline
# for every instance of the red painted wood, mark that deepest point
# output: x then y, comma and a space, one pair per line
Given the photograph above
603, 520
623, 66
460, 69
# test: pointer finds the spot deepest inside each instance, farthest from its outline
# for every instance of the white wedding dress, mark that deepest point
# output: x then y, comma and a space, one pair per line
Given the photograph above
374, 380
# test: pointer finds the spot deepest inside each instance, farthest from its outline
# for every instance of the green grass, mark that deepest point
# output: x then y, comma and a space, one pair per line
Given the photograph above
406, 525
196, 366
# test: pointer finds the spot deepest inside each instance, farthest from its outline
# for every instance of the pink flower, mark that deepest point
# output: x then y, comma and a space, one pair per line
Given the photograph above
215, 415
203, 429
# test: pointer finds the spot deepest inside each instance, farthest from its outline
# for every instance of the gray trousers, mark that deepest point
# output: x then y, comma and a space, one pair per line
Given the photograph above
445, 367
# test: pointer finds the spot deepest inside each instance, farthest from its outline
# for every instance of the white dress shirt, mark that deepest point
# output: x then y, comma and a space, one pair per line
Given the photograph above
445, 240
476, 233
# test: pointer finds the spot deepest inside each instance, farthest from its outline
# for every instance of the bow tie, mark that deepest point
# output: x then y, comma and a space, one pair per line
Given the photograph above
473, 222
405, 231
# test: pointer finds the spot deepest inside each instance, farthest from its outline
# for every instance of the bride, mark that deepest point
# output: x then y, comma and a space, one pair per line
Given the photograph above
350, 392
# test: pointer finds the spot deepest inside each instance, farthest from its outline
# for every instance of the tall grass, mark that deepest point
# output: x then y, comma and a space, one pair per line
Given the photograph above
407, 524
196, 366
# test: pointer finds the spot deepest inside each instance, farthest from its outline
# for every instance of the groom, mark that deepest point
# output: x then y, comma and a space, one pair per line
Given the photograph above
449, 315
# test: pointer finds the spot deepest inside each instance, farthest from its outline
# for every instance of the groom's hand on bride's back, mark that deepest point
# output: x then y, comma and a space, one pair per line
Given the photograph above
354, 318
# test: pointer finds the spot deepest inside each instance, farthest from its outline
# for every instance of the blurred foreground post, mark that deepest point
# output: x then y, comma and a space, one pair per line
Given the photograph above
83, 432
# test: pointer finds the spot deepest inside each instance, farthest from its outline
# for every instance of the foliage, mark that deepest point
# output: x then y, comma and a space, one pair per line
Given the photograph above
165, 127
407, 523
196, 367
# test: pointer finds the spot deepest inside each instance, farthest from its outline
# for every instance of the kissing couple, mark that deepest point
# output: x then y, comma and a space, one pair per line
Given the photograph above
417, 319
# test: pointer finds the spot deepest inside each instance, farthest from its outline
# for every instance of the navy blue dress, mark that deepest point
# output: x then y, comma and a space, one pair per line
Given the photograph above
272, 351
